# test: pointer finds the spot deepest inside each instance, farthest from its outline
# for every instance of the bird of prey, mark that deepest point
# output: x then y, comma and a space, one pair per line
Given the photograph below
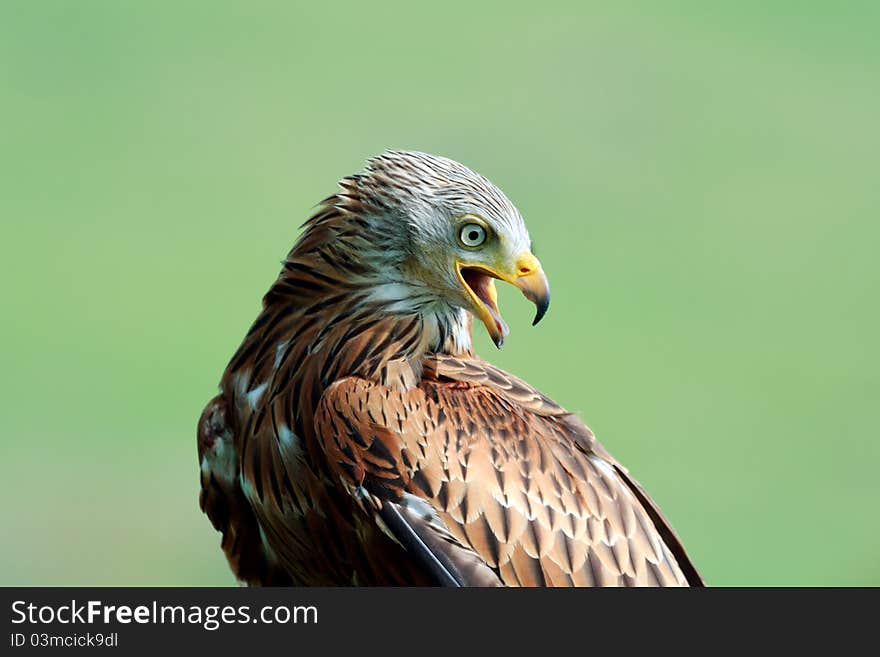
358, 439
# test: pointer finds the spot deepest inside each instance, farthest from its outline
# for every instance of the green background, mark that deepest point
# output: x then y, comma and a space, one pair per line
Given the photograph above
700, 183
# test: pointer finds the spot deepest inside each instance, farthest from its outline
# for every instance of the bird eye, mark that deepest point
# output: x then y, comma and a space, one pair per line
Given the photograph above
472, 235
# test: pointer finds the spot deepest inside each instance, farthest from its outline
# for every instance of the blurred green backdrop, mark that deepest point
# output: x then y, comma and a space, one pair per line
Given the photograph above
701, 184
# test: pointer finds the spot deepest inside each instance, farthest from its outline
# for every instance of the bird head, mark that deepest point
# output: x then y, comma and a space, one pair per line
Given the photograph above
485, 251
454, 233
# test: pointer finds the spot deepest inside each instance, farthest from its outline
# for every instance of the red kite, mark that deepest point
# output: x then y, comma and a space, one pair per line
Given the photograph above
358, 440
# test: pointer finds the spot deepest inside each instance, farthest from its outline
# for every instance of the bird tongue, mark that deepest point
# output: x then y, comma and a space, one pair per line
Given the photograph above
484, 287
500, 324
503, 330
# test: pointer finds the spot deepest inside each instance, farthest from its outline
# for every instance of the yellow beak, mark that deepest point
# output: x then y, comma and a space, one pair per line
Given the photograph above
478, 282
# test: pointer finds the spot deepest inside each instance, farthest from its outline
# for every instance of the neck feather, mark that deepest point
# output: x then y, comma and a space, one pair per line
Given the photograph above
339, 290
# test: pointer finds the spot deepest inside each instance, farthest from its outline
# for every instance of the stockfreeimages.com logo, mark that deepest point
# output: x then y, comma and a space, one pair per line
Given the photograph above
210, 617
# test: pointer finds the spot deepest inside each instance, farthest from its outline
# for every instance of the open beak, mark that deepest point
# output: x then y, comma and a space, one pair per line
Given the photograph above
479, 283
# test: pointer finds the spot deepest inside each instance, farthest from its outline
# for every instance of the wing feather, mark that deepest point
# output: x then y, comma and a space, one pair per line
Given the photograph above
513, 481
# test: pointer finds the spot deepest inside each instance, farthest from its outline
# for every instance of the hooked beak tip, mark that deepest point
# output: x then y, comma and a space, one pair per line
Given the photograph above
542, 307
536, 289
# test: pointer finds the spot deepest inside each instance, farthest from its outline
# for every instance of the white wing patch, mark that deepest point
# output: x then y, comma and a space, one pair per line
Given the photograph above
254, 395
290, 445
279, 352
418, 506
222, 460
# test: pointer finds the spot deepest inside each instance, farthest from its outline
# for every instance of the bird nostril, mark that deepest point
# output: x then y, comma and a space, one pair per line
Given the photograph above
526, 265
